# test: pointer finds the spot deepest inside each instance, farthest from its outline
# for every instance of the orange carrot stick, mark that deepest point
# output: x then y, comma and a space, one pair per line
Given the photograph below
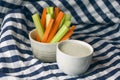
43, 17
57, 10
55, 26
47, 31
37, 37
68, 34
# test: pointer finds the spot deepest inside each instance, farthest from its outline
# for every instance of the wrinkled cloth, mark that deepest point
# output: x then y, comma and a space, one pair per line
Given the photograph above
97, 23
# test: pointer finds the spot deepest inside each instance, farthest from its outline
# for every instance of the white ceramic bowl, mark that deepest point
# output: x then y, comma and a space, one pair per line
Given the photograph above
45, 52
74, 64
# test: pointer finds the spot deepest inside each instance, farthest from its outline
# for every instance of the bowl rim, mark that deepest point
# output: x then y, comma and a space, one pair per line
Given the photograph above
37, 42
61, 52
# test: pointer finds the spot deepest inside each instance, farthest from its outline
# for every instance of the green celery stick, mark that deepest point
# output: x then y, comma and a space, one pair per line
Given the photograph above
50, 14
38, 25
67, 17
50, 10
67, 23
48, 17
63, 30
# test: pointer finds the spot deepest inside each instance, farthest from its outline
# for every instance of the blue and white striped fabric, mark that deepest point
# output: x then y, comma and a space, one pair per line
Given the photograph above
97, 21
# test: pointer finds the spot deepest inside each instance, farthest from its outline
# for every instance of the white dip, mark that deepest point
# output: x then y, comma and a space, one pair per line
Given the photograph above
75, 49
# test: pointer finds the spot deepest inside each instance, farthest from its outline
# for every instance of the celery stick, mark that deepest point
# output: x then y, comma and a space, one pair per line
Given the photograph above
50, 10
67, 23
50, 14
48, 17
63, 30
38, 25
67, 17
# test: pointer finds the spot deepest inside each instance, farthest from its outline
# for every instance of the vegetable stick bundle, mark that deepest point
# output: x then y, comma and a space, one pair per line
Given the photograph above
53, 26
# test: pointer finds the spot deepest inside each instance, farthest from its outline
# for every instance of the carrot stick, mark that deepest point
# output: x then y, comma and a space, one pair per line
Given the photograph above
55, 26
37, 37
68, 34
47, 31
72, 28
43, 17
57, 10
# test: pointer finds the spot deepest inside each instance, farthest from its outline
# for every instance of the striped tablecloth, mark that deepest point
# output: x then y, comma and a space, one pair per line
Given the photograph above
97, 22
